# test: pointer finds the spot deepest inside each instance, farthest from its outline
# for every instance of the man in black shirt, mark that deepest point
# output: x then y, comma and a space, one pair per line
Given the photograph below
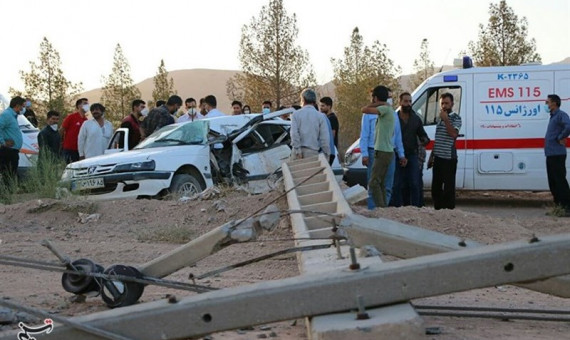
49, 139
326, 108
160, 116
30, 114
407, 188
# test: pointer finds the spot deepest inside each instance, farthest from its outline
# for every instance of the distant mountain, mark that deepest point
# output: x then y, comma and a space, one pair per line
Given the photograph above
564, 61
195, 83
198, 83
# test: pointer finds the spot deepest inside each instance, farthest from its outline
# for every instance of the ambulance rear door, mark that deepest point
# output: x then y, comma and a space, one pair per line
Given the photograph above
510, 120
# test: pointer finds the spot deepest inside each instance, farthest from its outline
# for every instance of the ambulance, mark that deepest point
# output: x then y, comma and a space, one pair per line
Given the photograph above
504, 119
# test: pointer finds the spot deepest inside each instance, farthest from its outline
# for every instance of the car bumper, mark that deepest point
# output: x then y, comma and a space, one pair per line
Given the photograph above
123, 185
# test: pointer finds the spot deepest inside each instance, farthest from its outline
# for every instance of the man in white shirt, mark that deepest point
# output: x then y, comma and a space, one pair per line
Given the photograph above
210, 104
95, 134
192, 113
309, 129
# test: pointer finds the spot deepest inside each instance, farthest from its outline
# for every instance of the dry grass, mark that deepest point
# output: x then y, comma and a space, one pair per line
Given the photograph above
171, 234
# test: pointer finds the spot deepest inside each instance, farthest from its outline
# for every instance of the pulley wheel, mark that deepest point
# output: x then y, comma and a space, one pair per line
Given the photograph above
82, 284
116, 293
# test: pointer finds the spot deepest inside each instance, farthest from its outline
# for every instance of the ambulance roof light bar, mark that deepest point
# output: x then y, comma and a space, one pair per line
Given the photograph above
465, 62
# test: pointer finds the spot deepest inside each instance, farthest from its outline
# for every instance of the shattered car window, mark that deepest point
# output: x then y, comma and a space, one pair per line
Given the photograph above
194, 133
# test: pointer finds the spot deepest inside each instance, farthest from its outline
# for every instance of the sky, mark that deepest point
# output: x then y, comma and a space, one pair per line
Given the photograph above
205, 34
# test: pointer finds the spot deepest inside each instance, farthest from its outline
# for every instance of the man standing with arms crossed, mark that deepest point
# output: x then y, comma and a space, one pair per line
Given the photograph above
555, 152
443, 157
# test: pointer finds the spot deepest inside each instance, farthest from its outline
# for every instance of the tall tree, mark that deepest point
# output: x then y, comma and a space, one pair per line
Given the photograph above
274, 68
424, 67
361, 70
46, 85
163, 87
504, 40
119, 90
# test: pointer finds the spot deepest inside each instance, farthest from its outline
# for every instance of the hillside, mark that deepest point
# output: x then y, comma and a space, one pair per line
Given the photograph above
198, 83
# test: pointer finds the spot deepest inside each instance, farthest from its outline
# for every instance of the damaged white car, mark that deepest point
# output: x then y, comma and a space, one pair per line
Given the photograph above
187, 158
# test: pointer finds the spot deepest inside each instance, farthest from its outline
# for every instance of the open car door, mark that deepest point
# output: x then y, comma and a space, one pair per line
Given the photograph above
119, 142
261, 150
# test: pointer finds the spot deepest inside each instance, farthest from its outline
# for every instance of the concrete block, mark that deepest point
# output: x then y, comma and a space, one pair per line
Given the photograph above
355, 194
270, 219
390, 323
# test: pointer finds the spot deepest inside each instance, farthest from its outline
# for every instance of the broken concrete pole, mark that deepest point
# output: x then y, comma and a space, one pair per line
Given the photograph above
245, 231
205, 245
355, 194
7, 316
369, 251
270, 218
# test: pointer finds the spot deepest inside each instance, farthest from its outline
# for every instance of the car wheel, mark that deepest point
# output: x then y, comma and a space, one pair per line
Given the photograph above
185, 185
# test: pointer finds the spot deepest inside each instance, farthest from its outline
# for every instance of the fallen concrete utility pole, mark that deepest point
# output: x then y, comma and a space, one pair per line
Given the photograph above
406, 241
331, 291
395, 322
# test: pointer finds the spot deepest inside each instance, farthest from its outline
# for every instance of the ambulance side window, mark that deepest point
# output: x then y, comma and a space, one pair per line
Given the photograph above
427, 105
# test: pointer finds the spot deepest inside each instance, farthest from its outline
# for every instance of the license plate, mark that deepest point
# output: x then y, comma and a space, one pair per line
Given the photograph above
90, 183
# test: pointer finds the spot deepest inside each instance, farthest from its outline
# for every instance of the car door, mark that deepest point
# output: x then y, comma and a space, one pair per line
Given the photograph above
261, 150
119, 142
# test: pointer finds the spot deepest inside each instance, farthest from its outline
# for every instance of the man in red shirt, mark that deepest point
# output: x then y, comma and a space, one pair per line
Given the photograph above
70, 130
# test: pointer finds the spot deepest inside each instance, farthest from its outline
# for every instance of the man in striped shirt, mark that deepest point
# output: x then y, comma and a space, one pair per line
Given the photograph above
444, 155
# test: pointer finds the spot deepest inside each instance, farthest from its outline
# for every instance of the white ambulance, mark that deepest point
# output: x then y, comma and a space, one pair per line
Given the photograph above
504, 119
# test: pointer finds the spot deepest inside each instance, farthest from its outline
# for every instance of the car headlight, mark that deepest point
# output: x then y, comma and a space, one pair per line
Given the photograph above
67, 174
138, 166
351, 157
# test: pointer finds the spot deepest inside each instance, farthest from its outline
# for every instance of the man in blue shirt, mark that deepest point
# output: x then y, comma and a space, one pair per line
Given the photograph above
555, 151
10, 139
367, 130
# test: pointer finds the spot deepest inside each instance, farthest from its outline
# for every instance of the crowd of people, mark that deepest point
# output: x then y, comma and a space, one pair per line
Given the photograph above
392, 143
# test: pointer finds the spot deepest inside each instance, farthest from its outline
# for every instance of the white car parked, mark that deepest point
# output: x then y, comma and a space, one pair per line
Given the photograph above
187, 158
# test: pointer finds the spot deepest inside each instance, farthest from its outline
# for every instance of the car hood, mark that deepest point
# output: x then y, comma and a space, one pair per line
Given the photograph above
132, 156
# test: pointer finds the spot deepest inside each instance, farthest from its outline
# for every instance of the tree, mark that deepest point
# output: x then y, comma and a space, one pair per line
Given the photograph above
424, 67
273, 67
504, 40
119, 90
163, 87
361, 70
46, 85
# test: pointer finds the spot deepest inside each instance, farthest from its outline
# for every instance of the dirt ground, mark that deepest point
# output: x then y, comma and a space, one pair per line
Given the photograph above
133, 232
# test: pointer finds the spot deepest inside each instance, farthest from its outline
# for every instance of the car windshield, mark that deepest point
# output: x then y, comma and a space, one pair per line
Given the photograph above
25, 124
193, 133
